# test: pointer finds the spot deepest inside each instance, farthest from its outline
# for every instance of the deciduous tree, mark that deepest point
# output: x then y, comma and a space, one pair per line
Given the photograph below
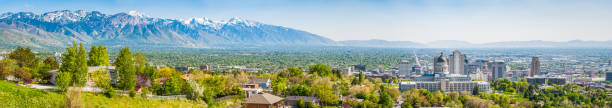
321, 69
52, 63
98, 55
75, 62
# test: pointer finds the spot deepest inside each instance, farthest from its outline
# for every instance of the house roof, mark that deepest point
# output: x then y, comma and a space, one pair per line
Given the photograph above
264, 98
305, 98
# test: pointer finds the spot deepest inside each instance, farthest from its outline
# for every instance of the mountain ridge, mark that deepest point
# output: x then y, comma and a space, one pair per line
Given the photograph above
60, 28
134, 29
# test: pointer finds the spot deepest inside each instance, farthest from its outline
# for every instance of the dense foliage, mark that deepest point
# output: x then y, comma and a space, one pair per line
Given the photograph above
98, 55
75, 62
125, 67
551, 95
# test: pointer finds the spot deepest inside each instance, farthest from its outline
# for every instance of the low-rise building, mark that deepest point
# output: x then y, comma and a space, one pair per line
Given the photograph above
205, 67
445, 85
546, 80
263, 100
445, 82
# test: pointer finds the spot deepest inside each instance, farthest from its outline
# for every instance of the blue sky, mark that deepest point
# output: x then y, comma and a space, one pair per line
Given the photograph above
477, 21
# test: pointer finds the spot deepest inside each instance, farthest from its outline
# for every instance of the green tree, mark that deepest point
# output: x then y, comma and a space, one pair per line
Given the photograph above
294, 71
98, 55
93, 56
338, 74
63, 80
51, 63
101, 78
140, 63
140, 59
125, 68
300, 90
300, 103
24, 57
279, 86
7, 67
75, 62
321, 69
42, 71
173, 86
361, 77
385, 100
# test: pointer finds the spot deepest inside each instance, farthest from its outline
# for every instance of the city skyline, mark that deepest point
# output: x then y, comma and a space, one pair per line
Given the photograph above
475, 22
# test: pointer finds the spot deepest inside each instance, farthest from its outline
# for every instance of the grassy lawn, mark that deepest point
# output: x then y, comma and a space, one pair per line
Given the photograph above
12, 95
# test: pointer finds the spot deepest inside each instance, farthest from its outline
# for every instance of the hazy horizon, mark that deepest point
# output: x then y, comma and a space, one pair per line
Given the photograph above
417, 21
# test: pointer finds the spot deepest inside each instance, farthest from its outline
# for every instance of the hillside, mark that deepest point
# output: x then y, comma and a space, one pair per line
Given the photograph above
14, 96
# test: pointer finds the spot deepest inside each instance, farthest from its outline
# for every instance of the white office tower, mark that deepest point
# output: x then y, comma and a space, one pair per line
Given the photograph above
457, 63
404, 68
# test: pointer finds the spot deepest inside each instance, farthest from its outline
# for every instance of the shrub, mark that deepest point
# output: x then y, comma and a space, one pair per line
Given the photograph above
132, 93
110, 92
144, 92
63, 79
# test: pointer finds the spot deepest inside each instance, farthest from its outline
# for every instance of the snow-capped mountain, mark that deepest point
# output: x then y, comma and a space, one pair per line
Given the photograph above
60, 28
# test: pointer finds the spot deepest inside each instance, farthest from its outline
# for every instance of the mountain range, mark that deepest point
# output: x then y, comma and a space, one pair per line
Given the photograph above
58, 29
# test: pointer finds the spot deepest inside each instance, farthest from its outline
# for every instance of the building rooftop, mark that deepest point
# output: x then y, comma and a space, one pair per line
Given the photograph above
264, 98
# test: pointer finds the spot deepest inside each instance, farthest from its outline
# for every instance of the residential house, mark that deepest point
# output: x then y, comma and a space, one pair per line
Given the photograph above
250, 89
263, 100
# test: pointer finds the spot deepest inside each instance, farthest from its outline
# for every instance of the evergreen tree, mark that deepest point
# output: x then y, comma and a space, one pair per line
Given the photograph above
75, 62
93, 56
125, 68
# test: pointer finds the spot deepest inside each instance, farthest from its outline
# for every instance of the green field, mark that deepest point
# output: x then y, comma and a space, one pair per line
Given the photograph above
14, 96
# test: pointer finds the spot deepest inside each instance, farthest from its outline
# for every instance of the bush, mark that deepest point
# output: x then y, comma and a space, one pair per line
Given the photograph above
62, 81
144, 92
132, 93
110, 92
